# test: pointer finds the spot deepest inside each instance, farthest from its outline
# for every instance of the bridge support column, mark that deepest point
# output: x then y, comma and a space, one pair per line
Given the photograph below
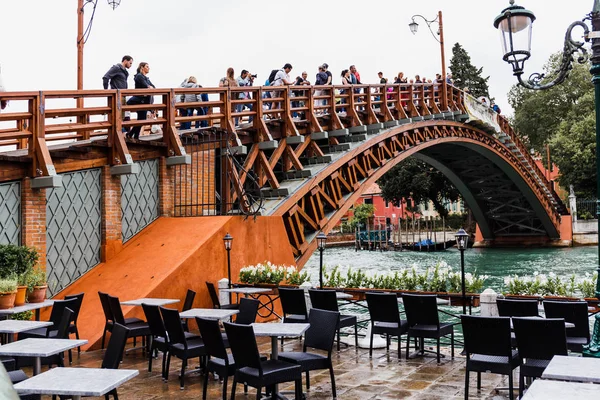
33, 212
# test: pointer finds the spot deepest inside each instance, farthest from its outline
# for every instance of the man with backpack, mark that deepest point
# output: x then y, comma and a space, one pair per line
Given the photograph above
281, 78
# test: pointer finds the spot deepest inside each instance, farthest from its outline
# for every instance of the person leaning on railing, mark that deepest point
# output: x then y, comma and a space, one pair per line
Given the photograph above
117, 77
141, 82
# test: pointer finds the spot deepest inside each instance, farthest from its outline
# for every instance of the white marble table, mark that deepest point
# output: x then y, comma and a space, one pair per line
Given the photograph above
12, 326
38, 348
579, 369
246, 291
542, 389
276, 330
209, 313
28, 307
342, 296
75, 382
150, 301
439, 302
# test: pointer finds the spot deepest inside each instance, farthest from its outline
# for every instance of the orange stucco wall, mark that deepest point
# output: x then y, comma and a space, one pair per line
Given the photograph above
172, 255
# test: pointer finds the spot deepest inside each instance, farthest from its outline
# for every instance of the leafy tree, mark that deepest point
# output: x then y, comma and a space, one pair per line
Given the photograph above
540, 113
466, 75
361, 213
574, 147
416, 179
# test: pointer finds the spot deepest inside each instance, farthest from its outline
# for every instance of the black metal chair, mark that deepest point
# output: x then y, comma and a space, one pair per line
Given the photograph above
187, 305
385, 318
248, 311
488, 349
158, 336
320, 336
325, 299
215, 298
517, 308
109, 318
134, 330
250, 369
56, 314
293, 305
424, 322
575, 312
538, 340
179, 345
219, 362
76, 308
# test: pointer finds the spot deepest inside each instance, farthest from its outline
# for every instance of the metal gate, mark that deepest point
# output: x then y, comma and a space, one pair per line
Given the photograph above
139, 198
73, 230
10, 213
215, 183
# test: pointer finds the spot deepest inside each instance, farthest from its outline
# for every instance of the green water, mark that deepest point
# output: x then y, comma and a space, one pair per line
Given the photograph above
496, 263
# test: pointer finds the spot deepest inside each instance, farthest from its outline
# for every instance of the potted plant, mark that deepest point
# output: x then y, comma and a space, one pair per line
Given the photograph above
8, 290
17, 261
36, 285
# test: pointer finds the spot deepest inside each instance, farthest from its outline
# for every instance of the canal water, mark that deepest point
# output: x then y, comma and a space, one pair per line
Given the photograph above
496, 263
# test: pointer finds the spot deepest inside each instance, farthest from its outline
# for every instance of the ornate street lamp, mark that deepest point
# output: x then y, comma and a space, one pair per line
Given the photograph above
462, 240
515, 26
227, 241
321, 240
414, 27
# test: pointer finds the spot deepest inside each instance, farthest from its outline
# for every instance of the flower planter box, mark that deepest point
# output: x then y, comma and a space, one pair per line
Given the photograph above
458, 301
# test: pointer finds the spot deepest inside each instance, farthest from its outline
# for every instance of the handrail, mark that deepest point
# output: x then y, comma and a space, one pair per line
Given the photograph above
53, 115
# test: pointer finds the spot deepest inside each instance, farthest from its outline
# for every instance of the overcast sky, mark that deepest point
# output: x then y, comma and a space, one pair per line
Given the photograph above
179, 38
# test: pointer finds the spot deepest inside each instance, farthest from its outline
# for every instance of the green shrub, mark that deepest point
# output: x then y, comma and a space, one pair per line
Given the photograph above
34, 277
8, 285
16, 260
23, 316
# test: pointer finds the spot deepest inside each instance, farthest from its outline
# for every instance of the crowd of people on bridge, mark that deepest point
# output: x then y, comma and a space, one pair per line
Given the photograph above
116, 78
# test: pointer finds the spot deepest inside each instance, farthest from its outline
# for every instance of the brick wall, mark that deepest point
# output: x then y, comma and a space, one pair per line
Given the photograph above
165, 188
112, 236
33, 208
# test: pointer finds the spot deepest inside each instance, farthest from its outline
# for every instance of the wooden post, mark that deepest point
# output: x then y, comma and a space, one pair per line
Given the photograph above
444, 84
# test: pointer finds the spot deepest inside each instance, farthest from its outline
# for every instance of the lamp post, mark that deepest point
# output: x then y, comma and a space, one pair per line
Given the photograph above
462, 239
515, 26
228, 240
321, 240
414, 27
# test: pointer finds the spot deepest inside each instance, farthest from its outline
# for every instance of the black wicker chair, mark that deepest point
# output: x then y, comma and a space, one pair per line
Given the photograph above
187, 305
293, 305
385, 318
488, 349
109, 318
180, 346
76, 308
575, 312
538, 340
248, 311
134, 330
158, 336
56, 314
517, 308
250, 369
423, 322
320, 336
325, 299
215, 298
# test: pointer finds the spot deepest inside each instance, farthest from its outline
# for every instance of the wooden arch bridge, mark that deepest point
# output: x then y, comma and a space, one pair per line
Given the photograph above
302, 153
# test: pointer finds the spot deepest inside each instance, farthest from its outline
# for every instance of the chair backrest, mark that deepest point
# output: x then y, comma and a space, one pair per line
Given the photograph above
321, 333
213, 295
517, 307
58, 309
243, 346
76, 306
189, 300
575, 312
108, 316
383, 307
486, 335
292, 301
540, 338
248, 309
154, 319
115, 308
63, 326
213, 340
323, 299
421, 309
116, 346
173, 326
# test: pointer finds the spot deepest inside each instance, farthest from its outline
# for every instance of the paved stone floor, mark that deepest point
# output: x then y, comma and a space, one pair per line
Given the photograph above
358, 377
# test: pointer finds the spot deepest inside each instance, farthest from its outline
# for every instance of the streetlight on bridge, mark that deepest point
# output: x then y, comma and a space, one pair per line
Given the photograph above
414, 27
515, 26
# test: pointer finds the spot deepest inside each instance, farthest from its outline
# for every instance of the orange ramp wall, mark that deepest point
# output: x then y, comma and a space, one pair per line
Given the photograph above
173, 255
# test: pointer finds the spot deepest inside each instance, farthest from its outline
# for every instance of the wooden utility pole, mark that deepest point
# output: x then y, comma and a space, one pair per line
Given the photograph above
79, 48
444, 83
